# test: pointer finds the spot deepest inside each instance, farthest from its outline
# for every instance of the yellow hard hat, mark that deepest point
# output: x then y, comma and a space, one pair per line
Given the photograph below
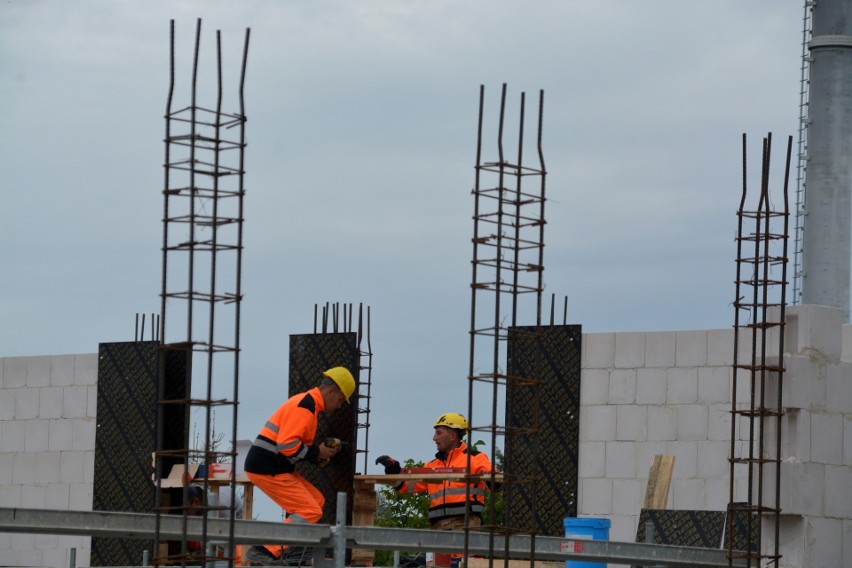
452, 420
344, 380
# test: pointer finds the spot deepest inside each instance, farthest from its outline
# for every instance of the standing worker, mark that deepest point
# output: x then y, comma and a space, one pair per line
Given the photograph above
447, 499
287, 439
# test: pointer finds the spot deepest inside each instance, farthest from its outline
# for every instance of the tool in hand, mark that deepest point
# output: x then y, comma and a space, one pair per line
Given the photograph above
330, 443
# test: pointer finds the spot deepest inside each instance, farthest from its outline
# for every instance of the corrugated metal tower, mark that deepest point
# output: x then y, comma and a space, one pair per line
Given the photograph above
827, 252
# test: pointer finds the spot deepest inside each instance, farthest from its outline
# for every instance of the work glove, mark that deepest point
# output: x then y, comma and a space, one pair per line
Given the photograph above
391, 465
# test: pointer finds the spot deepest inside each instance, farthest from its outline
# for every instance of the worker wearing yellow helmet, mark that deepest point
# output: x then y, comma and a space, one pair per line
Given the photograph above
286, 439
448, 499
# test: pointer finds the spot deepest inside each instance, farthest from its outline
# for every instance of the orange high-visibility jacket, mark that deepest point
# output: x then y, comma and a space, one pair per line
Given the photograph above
447, 498
288, 436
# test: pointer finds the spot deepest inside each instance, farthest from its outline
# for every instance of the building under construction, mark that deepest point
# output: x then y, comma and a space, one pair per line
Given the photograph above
732, 445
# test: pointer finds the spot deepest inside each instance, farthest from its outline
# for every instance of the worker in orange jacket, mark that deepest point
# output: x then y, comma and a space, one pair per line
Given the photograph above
286, 439
448, 499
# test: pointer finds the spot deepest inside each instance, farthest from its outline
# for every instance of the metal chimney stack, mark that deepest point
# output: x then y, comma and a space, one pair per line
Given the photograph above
827, 252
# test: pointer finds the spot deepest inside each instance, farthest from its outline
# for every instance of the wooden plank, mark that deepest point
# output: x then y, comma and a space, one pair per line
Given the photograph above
393, 479
659, 481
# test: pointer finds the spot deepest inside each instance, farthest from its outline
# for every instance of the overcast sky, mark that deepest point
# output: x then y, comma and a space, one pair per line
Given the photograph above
360, 161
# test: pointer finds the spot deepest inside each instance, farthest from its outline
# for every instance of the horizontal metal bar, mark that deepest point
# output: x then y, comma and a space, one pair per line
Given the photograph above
142, 526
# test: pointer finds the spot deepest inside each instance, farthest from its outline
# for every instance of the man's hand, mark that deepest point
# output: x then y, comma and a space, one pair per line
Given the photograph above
326, 452
392, 466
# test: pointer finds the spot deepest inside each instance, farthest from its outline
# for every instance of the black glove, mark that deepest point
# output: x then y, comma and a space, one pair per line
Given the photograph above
391, 465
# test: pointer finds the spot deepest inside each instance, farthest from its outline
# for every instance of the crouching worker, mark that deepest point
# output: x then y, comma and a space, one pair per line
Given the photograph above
285, 440
448, 499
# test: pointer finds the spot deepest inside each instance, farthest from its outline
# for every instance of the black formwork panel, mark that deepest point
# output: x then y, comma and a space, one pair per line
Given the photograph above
126, 437
552, 355
310, 355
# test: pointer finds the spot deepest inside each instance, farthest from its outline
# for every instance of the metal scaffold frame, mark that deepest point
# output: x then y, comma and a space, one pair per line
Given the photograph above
802, 161
201, 294
336, 318
760, 314
507, 277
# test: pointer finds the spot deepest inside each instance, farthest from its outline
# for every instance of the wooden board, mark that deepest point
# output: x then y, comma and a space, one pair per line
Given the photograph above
393, 479
659, 480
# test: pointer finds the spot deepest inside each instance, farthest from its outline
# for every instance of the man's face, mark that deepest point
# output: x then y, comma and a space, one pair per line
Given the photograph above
445, 438
335, 400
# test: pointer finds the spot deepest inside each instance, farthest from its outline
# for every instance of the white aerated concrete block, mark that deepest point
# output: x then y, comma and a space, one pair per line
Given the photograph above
80, 497
839, 387
686, 459
691, 349
720, 347
817, 328
62, 370
629, 350
6, 461
86, 369
7, 404
846, 347
50, 402
60, 437
838, 488
713, 460
89, 466
660, 348
597, 423
83, 435
622, 386
651, 386
14, 436
714, 384
630, 423
38, 371
92, 402
620, 460
10, 496
37, 434
688, 493
14, 372
622, 529
802, 488
692, 422
662, 423
719, 422
805, 382
26, 404
594, 386
826, 438
71, 467
47, 467
75, 402
32, 496
681, 385
824, 542
598, 350
717, 493
56, 496
591, 459
796, 435
596, 497
626, 496
847, 440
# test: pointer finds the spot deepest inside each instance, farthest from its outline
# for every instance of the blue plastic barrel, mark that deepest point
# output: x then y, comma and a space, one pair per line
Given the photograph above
594, 529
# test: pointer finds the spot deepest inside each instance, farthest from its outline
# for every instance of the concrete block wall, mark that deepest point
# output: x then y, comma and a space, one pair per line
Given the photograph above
644, 394
47, 449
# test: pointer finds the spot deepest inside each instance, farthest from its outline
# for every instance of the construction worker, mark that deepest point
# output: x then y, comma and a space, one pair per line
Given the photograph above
285, 440
448, 499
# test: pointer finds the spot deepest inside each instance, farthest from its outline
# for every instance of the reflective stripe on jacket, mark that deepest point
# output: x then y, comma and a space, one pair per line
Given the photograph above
288, 436
447, 498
